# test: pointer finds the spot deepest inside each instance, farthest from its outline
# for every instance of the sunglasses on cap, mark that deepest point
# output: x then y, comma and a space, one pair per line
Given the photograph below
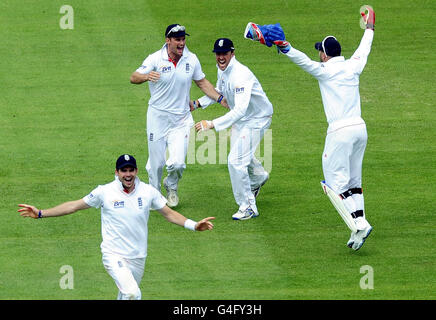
176, 29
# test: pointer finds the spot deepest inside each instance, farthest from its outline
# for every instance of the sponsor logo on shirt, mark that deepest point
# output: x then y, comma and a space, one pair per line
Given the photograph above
166, 69
239, 90
118, 204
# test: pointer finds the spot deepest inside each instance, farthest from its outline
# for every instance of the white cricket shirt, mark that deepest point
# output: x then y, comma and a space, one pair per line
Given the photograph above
124, 217
171, 92
247, 101
338, 82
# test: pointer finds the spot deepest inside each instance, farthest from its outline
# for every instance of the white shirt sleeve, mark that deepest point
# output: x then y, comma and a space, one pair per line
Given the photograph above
94, 198
158, 200
242, 94
146, 66
198, 72
360, 56
315, 68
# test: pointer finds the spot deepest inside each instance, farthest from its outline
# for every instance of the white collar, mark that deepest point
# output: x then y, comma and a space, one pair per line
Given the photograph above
164, 52
121, 188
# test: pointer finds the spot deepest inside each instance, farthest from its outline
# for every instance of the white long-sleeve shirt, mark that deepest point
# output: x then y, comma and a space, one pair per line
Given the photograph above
245, 96
338, 80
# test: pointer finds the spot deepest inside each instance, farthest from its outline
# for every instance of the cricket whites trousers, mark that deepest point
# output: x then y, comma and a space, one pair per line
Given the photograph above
167, 133
246, 172
127, 274
342, 160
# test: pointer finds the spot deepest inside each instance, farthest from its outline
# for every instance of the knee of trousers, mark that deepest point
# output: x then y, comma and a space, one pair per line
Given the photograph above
237, 163
176, 167
155, 167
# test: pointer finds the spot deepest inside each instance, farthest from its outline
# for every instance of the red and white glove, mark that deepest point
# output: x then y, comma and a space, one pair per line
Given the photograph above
369, 17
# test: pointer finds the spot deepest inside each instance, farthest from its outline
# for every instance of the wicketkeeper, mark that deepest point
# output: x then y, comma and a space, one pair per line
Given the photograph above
346, 139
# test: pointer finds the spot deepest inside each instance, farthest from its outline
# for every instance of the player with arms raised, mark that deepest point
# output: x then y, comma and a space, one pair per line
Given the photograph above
346, 139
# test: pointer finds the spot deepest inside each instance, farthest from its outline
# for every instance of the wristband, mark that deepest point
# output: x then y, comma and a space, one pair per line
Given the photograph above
39, 214
220, 98
190, 224
195, 104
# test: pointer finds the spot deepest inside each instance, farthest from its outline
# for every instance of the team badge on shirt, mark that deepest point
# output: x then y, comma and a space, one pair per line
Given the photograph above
140, 202
239, 90
187, 67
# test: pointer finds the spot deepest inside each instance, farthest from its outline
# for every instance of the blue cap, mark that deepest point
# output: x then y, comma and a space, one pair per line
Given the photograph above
223, 45
330, 46
175, 31
125, 160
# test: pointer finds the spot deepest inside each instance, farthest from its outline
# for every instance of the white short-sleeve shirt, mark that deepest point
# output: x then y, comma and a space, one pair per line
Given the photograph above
124, 217
171, 92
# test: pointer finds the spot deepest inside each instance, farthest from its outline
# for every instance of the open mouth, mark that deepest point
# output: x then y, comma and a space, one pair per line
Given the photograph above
222, 62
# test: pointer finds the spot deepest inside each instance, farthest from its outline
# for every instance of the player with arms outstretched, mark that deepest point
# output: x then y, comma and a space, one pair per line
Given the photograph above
125, 208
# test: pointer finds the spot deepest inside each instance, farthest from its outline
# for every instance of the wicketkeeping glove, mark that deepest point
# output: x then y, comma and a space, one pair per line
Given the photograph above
369, 17
283, 46
265, 34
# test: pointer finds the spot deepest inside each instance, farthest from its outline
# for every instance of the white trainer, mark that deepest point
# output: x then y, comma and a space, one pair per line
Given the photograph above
360, 237
245, 215
172, 197
256, 191
351, 240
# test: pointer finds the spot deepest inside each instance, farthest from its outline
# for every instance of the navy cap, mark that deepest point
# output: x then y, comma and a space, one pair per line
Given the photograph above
223, 45
175, 31
330, 46
126, 160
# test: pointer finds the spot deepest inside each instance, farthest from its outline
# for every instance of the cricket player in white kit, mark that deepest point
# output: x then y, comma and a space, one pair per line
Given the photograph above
346, 139
125, 207
249, 116
169, 73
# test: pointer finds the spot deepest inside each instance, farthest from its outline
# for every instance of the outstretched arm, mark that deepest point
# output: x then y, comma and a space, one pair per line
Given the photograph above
176, 218
60, 210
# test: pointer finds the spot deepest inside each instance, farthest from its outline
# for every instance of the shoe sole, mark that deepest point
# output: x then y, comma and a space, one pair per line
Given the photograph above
246, 218
363, 239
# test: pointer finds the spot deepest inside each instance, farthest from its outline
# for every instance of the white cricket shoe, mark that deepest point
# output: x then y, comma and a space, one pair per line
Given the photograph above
172, 197
256, 191
360, 237
245, 215
351, 240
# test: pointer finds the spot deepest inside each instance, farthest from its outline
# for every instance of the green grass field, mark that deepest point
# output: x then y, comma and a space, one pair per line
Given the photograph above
68, 110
